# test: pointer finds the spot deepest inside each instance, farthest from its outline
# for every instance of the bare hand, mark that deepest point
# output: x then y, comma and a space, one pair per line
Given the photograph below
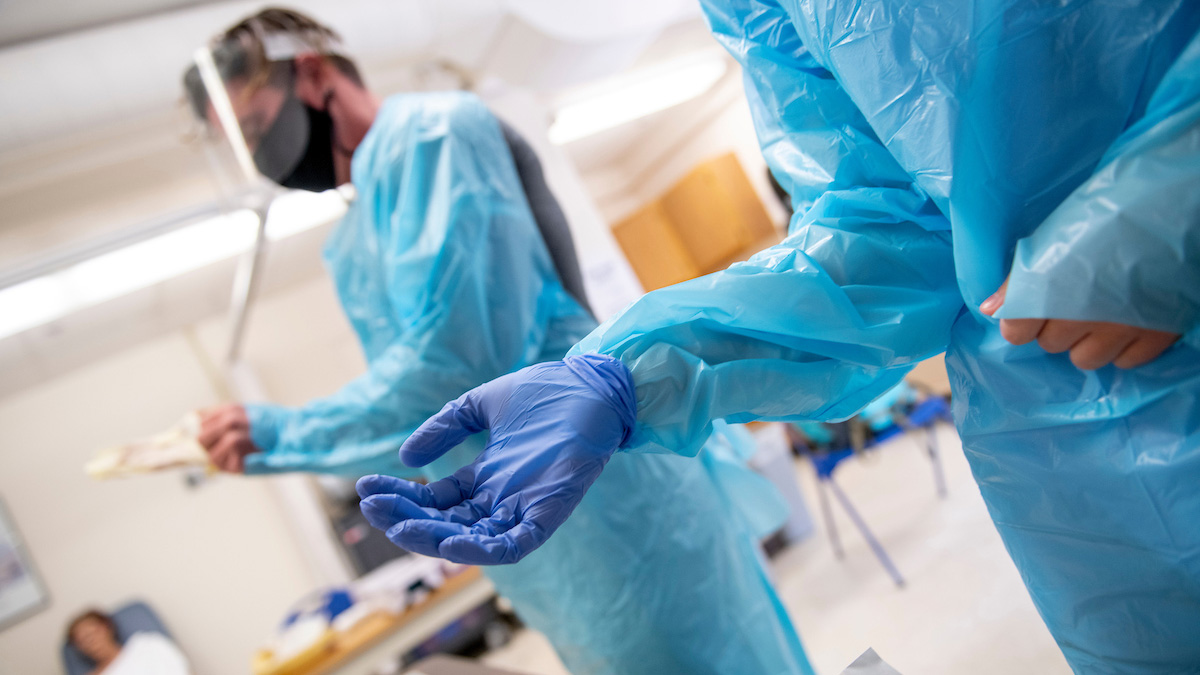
225, 434
1093, 344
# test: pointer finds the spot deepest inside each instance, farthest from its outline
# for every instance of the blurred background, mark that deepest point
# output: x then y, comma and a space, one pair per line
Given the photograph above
130, 293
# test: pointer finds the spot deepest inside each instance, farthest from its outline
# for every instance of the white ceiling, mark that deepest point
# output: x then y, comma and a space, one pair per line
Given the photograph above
29, 20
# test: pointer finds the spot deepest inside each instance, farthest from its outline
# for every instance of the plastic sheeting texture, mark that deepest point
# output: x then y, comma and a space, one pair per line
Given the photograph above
930, 148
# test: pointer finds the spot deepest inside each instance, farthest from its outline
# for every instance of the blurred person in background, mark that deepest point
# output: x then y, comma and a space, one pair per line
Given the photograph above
94, 634
454, 265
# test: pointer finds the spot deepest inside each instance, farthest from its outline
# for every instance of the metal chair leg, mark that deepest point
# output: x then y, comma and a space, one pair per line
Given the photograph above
881, 554
935, 456
830, 526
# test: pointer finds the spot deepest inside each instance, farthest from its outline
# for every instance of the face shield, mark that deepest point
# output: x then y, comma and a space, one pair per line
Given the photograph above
244, 99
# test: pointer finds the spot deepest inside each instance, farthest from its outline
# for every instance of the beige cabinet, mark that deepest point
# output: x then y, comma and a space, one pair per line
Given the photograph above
711, 218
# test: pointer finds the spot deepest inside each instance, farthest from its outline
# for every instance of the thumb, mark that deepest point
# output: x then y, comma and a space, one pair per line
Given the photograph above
456, 421
994, 303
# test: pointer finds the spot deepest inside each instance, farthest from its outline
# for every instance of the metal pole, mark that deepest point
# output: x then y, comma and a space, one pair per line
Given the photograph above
245, 286
258, 200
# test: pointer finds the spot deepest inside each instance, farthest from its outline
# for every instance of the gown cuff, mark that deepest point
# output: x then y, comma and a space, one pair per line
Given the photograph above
266, 421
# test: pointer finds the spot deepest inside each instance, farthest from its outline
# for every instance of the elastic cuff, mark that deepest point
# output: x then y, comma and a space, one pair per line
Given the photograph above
609, 376
266, 421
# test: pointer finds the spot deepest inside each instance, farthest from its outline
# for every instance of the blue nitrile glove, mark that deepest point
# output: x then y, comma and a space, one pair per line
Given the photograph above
553, 428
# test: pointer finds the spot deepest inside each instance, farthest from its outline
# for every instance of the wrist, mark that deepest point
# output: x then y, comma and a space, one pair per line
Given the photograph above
612, 379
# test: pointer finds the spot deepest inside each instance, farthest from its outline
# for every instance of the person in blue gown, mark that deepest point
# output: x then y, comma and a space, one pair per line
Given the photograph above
1014, 184
443, 268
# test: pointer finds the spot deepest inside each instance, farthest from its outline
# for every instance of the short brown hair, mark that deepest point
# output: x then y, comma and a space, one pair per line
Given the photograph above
90, 614
239, 52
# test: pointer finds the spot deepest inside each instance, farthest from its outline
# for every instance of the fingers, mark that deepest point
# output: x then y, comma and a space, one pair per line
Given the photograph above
441, 494
424, 536
1145, 349
467, 539
1021, 331
502, 549
996, 300
1100, 347
452, 425
475, 545
210, 428
1091, 344
378, 484
225, 434
220, 456
229, 452
219, 421
383, 512
473, 511
1016, 331
1059, 335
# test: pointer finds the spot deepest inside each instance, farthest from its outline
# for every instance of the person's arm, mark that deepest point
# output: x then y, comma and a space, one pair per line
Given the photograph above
1124, 248
468, 269
818, 326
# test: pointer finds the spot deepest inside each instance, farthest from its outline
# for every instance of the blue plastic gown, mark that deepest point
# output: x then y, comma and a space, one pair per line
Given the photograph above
929, 148
443, 274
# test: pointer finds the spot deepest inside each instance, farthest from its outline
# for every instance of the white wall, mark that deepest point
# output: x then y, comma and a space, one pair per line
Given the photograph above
216, 562
730, 129
298, 342
679, 140
608, 279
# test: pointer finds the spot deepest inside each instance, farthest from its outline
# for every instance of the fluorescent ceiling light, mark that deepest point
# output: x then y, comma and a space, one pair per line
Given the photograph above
111, 275
149, 262
298, 211
32, 303
637, 95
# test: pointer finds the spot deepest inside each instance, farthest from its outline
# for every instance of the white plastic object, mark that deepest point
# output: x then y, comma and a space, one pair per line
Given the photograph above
177, 447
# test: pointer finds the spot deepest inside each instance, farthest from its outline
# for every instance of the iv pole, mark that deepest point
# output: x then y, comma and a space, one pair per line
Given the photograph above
297, 494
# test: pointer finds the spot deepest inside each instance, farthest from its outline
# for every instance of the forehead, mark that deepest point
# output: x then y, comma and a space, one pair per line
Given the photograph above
90, 623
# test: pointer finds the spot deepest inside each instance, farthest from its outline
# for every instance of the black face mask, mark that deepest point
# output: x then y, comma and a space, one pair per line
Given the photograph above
297, 150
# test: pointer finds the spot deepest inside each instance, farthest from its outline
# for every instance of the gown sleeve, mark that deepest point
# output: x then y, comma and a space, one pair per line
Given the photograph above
862, 289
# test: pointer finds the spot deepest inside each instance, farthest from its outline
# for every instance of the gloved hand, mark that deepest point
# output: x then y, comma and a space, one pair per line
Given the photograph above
553, 428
